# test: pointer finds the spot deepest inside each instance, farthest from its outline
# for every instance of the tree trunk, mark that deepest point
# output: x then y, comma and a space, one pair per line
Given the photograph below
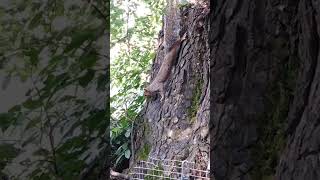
177, 128
264, 82
300, 159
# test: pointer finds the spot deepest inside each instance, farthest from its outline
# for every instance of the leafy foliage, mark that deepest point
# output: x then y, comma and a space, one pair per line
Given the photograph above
135, 25
61, 126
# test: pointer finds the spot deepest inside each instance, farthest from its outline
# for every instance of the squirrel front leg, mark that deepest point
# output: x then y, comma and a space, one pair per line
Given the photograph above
161, 91
164, 71
150, 91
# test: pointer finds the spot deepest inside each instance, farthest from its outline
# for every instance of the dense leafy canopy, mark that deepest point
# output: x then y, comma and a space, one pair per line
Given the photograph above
134, 28
58, 51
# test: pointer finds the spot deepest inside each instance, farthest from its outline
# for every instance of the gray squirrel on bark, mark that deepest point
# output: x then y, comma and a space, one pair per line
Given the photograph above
165, 69
172, 43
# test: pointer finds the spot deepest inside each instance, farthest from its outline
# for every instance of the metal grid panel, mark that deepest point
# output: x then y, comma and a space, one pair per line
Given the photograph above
165, 169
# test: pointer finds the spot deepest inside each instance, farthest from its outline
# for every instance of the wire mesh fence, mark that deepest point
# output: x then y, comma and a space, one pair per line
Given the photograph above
154, 169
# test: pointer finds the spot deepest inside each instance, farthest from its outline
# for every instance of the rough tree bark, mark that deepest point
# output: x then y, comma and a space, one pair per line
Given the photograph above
265, 75
177, 128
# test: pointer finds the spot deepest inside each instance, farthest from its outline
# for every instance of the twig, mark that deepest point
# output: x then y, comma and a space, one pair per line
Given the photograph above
116, 174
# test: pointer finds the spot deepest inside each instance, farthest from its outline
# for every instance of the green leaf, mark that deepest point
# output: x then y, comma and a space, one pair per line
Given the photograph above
35, 20
32, 53
73, 143
95, 120
88, 61
15, 108
8, 151
119, 159
6, 120
30, 139
54, 83
42, 152
67, 98
33, 123
79, 38
102, 83
127, 153
32, 104
128, 132
85, 79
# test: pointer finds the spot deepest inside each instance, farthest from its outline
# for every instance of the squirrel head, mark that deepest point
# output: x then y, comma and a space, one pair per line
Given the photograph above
147, 93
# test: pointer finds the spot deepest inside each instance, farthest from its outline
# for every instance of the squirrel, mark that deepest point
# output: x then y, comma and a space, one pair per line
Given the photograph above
165, 68
169, 39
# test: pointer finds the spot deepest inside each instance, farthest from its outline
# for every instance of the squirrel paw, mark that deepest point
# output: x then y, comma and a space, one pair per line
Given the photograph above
162, 97
184, 37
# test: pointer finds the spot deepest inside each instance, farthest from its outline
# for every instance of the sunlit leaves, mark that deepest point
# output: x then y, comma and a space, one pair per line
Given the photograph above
135, 25
117, 25
136, 43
